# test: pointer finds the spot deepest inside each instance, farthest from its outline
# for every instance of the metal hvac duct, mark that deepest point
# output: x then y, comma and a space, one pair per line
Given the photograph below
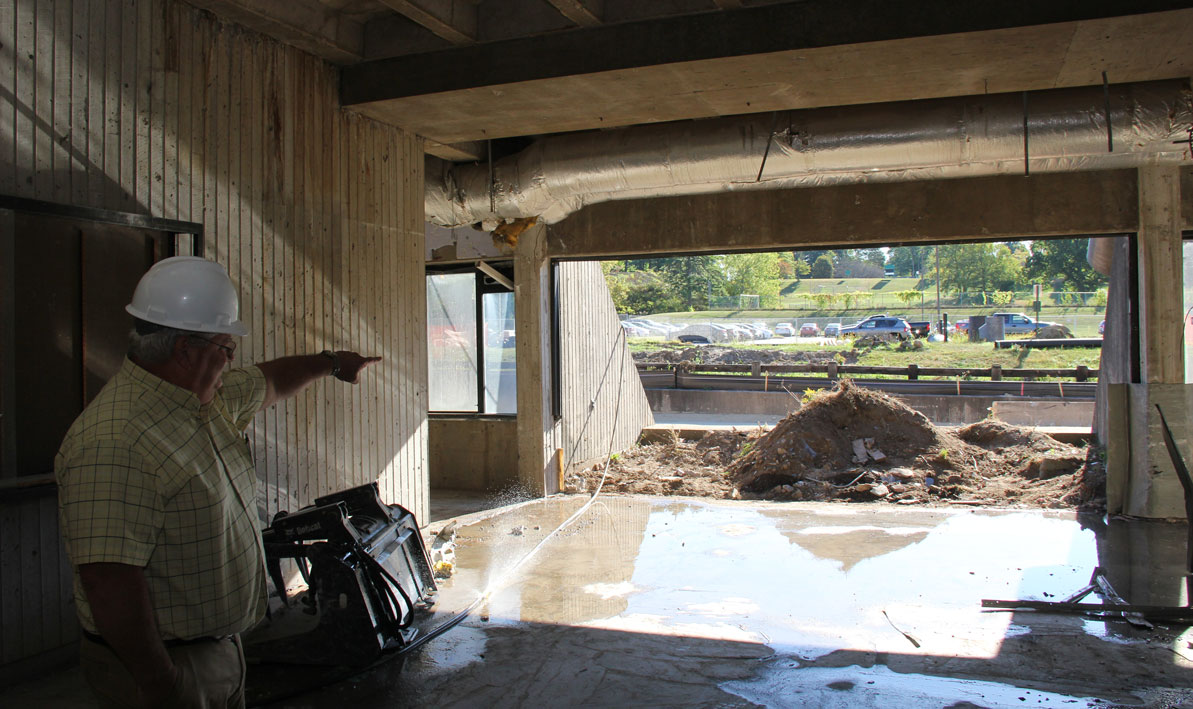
911, 140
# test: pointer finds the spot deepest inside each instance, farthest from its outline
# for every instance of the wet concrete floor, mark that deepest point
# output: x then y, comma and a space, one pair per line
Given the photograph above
677, 602
662, 602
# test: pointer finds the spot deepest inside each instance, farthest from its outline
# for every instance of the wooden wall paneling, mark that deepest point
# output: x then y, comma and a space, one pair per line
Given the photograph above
76, 67
12, 627
23, 72
316, 339
43, 101
168, 68
44, 508
152, 94
297, 238
352, 315
110, 76
387, 345
270, 254
8, 349
31, 591
127, 78
368, 310
142, 109
338, 161
311, 264
184, 109
8, 108
250, 211
61, 91
284, 316
329, 176
94, 68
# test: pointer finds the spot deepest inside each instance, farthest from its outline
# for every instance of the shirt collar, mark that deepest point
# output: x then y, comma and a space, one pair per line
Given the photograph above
150, 382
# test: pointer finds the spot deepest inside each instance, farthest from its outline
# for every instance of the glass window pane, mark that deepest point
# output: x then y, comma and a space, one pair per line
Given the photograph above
501, 387
451, 342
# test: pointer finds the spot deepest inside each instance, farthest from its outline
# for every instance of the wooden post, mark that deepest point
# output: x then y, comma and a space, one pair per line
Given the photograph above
832, 371
996, 373
913, 372
1082, 373
756, 369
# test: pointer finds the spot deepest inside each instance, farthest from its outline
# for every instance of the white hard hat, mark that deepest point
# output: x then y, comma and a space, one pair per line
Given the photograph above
188, 293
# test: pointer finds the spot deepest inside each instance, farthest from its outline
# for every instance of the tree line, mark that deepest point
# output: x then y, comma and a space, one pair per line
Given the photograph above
685, 283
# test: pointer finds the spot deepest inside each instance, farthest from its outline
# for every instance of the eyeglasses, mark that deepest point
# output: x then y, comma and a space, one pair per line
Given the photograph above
230, 350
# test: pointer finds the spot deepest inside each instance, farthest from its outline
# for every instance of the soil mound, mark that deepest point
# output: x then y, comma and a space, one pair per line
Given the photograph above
993, 433
841, 436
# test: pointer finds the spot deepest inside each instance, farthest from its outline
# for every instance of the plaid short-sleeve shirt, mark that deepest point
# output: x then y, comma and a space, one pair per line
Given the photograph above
149, 477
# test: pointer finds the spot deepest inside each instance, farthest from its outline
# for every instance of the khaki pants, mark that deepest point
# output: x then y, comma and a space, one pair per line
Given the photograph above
211, 675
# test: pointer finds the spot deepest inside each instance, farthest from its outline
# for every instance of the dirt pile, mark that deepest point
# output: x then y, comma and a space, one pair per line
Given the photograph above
678, 467
845, 442
853, 444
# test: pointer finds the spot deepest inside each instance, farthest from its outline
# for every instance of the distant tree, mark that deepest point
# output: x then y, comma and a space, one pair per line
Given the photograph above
694, 279
752, 274
851, 267
978, 267
823, 266
910, 260
1063, 261
874, 256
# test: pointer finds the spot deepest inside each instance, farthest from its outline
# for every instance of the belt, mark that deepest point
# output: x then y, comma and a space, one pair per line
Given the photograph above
172, 642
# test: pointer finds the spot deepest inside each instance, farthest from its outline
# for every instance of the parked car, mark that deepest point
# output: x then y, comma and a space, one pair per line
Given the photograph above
664, 328
703, 332
809, 329
1017, 323
652, 330
920, 328
731, 334
765, 333
896, 328
784, 329
632, 330
833, 329
1102, 328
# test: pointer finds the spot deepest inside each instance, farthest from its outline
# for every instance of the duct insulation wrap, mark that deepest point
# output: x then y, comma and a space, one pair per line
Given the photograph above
914, 140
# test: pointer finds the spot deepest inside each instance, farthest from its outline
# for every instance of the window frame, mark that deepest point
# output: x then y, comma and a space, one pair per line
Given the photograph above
483, 284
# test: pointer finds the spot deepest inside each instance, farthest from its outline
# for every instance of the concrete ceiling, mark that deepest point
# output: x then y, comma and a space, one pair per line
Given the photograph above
458, 72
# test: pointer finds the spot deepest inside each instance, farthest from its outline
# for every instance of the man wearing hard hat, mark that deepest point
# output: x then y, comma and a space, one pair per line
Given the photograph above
157, 493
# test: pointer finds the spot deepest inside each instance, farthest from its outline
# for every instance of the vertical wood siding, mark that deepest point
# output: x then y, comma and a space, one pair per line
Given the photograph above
596, 369
152, 107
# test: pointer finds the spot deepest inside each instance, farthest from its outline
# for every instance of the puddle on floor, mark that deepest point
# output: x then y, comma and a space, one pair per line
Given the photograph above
807, 581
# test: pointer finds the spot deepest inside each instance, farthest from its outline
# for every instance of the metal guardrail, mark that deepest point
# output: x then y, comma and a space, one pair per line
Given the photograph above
769, 378
912, 372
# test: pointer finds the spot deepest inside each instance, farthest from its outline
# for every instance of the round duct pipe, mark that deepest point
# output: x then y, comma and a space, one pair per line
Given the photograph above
1066, 130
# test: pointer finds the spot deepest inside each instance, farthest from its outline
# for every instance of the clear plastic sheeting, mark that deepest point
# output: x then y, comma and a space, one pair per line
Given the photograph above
914, 140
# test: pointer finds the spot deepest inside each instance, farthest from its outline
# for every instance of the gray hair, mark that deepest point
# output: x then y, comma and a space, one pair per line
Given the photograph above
154, 344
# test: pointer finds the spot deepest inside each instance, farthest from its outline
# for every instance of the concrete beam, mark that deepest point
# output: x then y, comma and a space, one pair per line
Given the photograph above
306, 24
727, 63
987, 208
453, 20
537, 433
583, 14
1160, 275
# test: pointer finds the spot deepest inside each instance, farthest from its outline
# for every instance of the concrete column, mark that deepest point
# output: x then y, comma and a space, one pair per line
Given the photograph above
1160, 301
532, 313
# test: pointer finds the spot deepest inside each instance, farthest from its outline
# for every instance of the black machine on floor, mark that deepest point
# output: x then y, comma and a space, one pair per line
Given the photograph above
367, 575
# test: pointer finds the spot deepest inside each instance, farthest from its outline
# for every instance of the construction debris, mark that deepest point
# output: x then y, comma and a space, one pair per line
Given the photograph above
856, 444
